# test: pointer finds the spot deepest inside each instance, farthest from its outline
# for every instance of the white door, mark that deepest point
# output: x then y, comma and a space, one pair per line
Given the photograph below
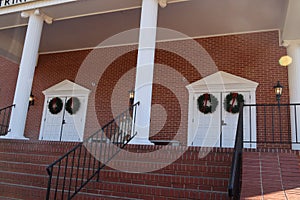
72, 125
207, 126
217, 129
62, 126
229, 122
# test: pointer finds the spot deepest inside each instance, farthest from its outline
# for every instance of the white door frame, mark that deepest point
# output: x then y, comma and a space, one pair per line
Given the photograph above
221, 82
65, 88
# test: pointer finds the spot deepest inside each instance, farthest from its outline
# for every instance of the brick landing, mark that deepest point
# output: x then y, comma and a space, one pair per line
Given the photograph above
274, 176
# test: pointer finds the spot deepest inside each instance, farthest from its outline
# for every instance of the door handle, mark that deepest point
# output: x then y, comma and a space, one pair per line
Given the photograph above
63, 122
223, 123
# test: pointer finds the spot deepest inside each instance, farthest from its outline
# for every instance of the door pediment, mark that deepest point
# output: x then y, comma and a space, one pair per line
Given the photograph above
67, 88
222, 81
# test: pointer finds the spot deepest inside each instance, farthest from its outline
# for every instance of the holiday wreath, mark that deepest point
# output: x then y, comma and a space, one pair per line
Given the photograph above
55, 105
207, 103
233, 101
72, 105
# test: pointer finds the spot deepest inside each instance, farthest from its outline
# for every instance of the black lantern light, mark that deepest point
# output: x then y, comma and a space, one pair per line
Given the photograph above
278, 91
131, 97
31, 100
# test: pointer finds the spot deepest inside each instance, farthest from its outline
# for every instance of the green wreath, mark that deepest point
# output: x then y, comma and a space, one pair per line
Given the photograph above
207, 103
233, 101
55, 105
72, 105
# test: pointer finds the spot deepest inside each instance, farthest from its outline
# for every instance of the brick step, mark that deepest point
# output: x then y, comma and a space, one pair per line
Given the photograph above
28, 158
192, 154
16, 191
155, 179
24, 192
36, 146
118, 189
172, 169
173, 181
151, 192
199, 169
39, 169
24, 179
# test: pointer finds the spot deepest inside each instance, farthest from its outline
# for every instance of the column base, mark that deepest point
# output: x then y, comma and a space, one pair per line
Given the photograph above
141, 141
14, 137
295, 146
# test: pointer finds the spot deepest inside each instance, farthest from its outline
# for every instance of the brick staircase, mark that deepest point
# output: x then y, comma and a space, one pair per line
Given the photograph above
23, 172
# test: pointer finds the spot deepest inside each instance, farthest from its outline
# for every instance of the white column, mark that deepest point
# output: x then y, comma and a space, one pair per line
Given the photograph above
144, 71
293, 50
26, 73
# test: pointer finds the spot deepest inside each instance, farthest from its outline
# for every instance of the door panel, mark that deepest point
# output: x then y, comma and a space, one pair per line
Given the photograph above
52, 125
207, 126
72, 124
230, 122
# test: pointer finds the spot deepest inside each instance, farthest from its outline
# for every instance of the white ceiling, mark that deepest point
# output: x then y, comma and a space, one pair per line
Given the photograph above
85, 23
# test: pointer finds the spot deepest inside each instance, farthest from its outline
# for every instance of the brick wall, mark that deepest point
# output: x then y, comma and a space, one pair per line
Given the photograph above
9, 73
110, 73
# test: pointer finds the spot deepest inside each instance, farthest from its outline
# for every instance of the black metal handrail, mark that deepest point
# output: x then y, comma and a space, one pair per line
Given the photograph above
235, 175
4, 119
71, 172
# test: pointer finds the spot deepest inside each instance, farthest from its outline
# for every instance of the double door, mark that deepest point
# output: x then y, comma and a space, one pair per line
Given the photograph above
217, 129
63, 126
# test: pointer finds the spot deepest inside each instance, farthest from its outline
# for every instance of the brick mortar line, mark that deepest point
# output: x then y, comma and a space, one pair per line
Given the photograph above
280, 174
167, 175
260, 174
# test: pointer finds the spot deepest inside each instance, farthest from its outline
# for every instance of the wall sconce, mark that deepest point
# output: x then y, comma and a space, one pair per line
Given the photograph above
131, 97
278, 91
31, 99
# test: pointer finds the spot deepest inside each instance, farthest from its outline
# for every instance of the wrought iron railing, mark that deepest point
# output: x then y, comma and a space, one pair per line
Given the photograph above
236, 167
74, 170
4, 119
278, 125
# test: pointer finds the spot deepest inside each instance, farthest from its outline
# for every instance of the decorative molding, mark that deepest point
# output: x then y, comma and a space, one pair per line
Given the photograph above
162, 3
37, 12
287, 43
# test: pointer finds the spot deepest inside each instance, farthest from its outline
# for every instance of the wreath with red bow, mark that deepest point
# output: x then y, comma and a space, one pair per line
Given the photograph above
207, 103
72, 105
233, 101
55, 105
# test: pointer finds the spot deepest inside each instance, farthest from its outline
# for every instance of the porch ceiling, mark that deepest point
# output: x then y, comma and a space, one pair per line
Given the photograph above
74, 26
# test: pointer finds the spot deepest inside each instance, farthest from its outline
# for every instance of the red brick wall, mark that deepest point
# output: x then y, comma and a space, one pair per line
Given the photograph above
253, 56
9, 73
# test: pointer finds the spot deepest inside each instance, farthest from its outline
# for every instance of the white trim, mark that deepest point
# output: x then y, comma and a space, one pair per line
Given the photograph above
32, 5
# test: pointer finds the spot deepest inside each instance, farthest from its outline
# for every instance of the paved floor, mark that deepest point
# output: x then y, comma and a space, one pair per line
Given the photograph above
268, 176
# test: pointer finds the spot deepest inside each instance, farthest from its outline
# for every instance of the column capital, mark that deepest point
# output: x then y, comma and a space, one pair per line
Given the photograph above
288, 43
37, 12
162, 3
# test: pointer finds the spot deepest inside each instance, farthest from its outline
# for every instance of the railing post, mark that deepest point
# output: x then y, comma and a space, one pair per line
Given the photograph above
234, 180
49, 171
